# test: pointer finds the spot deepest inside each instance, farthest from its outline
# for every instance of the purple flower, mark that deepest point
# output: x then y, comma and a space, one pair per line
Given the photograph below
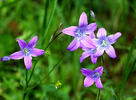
93, 76
79, 33
88, 51
5, 58
27, 51
104, 43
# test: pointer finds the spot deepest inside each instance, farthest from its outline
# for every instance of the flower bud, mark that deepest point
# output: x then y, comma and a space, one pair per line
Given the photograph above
5, 58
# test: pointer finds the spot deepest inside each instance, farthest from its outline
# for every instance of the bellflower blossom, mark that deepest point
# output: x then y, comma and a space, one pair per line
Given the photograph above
93, 76
27, 51
79, 33
88, 51
104, 43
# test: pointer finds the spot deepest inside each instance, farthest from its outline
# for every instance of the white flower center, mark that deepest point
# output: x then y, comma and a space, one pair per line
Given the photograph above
26, 51
105, 43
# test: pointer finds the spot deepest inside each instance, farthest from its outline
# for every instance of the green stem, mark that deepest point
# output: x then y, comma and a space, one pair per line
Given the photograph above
98, 95
99, 91
26, 80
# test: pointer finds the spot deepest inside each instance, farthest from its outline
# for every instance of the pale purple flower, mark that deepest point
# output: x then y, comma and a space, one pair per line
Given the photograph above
27, 51
104, 43
93, 76
5, 58
88, 51
79, 33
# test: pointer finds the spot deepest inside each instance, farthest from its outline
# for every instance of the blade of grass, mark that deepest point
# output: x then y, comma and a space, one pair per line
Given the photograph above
127, 69
45, 35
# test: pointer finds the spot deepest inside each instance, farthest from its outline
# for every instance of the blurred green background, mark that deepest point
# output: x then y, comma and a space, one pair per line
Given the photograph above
57, 74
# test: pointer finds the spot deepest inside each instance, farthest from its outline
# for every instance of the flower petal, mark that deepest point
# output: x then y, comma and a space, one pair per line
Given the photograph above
88, 42
37, 52
111, 52
92, 35
73, 45
88, 82
17, 55
32, 43
70, 30
28, 62
83, 20
86, 72
92, 27
93, 59
99, 51
84, 55
22, 43
101, 32
113, 38
99, 69
99, 83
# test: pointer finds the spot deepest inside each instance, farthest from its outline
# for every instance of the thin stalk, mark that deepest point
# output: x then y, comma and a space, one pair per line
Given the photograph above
98, 95
26, 81
99, 91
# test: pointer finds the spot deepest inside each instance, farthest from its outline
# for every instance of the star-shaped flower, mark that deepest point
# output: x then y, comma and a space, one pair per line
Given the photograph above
93, 76
79, 33
88, 50
27, 51
104, 43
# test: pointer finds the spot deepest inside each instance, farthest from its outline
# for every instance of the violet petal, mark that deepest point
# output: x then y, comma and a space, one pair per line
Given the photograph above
37, 52
99, 84
88, 82
113, 38
101, 32
86, 72
99, 51
111, 52
28, 62
92, 27
83, 20
17, 55
84, 55
73, 45
88, 42
70, 30
22, 44
32, 43
93, 59
99, 69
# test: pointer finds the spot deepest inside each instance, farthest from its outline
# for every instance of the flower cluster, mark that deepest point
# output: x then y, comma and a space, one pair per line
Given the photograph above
84, 38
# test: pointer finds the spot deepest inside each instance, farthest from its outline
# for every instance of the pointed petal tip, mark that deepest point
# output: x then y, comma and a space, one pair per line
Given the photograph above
28, 68
83, 19
83, 69
86, 85
83, 13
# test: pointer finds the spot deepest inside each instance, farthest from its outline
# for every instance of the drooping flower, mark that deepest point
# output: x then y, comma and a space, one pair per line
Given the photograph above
79, 33
93, 76
27, 51
5, 58
88, 51
104, 43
